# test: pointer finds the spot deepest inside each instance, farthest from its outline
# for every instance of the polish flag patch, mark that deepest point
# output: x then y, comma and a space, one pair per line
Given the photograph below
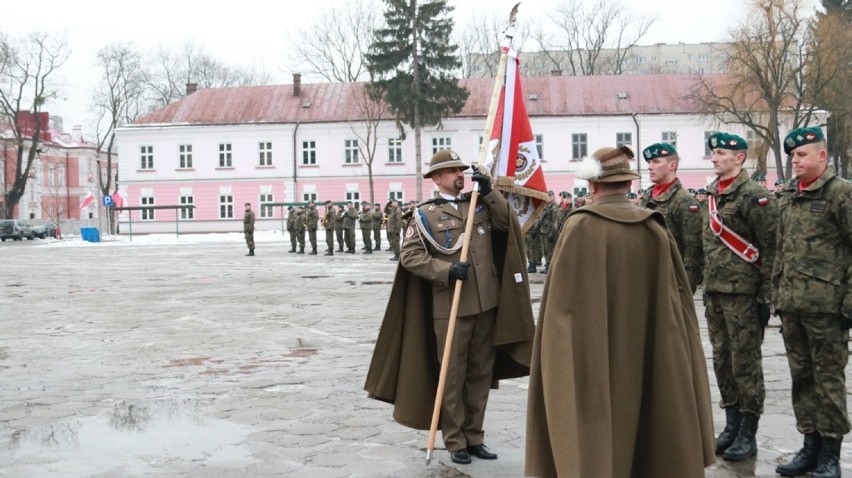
763, 201
693, 208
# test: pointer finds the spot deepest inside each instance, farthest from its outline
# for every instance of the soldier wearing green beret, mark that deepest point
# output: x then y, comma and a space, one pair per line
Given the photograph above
328, 221
760, 179
311, 225
300, 223
779, 185
338, 228
350, 216
291, 227
547, 231
812, 295
633, 197
739, 250
681, 210
393, 227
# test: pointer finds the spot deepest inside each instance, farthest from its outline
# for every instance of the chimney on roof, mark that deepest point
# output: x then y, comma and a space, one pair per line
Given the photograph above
77, 132
555, 72
191, 88
297, 84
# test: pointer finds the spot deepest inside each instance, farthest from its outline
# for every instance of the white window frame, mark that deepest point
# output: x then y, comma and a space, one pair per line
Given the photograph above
398, 195
264, 153
187, 200
51, 176
539, 145
579, 146
147, 214
309, 153
395, 150
440, 143
226, 205
266, 211
623, 139
226, 155
185, 156
309, 196
146, 157
669, 137
350, 151
353, 196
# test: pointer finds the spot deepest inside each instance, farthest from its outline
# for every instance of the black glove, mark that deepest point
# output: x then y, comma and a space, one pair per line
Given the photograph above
763, 312
483, 180
459, 270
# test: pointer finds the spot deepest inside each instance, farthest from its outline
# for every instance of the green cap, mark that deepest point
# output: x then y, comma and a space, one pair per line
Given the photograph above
779, 181
631, 195
759, 177
726, 141
659, 150
800, 136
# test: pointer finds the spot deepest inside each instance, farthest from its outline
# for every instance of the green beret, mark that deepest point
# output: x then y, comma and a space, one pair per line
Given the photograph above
801, 136
631, 195
779, 181
564, 194
659, 150
726, 141
759, 177
701, 191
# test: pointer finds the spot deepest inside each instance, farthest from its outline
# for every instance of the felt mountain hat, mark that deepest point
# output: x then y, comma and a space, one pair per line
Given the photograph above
726, 141
444, 159
802, 136
659, 150
608, 165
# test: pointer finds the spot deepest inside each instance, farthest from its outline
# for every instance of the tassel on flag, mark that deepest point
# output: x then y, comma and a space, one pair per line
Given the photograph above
87, 200
517, 171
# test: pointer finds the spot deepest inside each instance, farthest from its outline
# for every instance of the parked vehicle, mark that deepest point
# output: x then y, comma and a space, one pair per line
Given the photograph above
16, 230
44, 230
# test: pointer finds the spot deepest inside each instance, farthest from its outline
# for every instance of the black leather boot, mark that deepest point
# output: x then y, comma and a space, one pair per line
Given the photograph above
733, 417
828, 462
805, 460
251, 252
301, 250
531, 267
292, 250
745, 445
313, 252
329, 253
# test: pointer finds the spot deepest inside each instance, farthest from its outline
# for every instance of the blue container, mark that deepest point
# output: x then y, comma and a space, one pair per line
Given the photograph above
90, 234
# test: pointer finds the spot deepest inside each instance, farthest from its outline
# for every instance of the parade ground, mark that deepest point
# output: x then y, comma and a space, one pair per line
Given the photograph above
182, 357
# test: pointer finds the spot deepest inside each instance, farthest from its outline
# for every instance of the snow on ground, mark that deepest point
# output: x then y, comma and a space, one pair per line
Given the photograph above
75, 240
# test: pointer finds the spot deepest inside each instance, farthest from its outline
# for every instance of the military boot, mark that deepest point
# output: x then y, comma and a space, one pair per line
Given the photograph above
828, 462
329, 252
301, 250
313, 252
251, 252
805, 460
733, 417
745, 445
293, 249
531, 267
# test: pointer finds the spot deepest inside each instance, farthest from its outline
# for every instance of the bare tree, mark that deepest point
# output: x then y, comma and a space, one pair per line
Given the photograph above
366, 130
169, 71
479, 43
333, 45
768, 76
118, 99
26, 73
591, 38
54, 200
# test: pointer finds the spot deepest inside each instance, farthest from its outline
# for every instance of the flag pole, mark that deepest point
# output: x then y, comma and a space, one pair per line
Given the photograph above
468, 230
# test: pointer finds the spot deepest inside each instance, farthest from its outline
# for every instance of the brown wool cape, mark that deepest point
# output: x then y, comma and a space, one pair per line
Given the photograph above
618, 381
404, 368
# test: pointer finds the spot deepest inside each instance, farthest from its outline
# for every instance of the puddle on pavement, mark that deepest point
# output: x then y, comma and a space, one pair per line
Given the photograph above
134, 437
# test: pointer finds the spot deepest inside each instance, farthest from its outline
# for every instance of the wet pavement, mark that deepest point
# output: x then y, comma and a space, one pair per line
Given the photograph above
189, 359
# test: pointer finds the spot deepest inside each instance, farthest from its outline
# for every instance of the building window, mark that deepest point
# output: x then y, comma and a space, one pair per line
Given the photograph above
704, 57
395, 150
226, 206
440, 143
395, 195
187, 213
539, 145
306, 196
265, 208
61, 177
264, 149
623, 139
579, 146
670, 137
51, 176
350, 149
185, 156
707, 151
671, 62
147, 214
640, 59
353, 196
653, 58
146, 157
225, 158
309, 153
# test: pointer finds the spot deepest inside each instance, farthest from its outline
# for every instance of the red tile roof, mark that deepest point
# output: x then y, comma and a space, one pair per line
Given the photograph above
331, 102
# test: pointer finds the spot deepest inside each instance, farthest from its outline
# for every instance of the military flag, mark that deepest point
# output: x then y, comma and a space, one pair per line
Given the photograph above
87, 200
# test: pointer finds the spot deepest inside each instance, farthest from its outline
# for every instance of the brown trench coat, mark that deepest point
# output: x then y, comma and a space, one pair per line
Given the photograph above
404, 368
618, 383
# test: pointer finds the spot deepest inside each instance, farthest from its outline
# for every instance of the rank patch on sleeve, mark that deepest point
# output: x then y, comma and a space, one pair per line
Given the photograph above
409, 232
693, 208
763, 201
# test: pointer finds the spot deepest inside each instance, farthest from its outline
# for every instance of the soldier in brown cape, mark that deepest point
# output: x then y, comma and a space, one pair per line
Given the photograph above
618, 382
494, 329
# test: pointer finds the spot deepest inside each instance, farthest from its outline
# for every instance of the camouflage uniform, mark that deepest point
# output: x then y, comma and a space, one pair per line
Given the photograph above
810, 292
531, 245
378, 218
684, 221
394, 225
338, 229
311, 224
328, 221
248, 230
733, 289
366, 221
299, 224
349, 218
546, 223
291, 228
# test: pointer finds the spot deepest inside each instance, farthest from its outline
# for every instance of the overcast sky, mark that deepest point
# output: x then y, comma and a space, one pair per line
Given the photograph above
254, 32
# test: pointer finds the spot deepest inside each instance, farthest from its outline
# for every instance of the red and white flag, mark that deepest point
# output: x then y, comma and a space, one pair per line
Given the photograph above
117, 199
512, 157
87, 200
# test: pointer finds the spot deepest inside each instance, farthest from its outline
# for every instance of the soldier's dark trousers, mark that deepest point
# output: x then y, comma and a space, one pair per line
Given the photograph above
300, 235
349, 235
339, 233
468, 378
735, 334
377, 239
293, 242
312, 236
365, 236
249, 239
329, 239
393, 239
817, 351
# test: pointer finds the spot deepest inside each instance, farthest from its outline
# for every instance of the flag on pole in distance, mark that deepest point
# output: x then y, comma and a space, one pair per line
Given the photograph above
117, 199
87, 200
512, 157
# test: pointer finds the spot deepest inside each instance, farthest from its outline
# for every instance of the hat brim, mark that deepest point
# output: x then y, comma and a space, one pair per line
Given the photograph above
617, 176
446, 165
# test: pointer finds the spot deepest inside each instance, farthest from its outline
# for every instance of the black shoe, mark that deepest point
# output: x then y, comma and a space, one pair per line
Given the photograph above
531, 267
460, 456
251, 253
313, 253
329, 253
828, 464
377, 248
368, 251
388, 249
482, 452
351, 251
292, 250
805, 460
340, 250
301, 251
745, 445
733, 417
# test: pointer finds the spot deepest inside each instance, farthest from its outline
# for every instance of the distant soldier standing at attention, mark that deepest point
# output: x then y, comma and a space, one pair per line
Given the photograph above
328, 221
812, 295
349, 218
300, 223
248, 228
338, 227
311, 223
739, 249
366, 221
291, 228
378, 219
393, 227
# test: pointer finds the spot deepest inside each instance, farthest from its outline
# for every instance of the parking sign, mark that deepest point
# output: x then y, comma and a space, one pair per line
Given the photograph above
108, 201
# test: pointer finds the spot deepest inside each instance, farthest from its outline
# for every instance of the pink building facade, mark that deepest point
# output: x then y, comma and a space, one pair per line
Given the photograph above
217, 149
